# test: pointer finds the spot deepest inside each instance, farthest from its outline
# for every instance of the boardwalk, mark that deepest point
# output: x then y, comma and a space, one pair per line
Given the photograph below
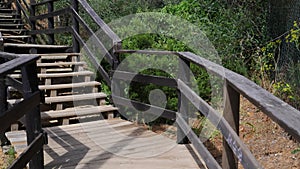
111, 144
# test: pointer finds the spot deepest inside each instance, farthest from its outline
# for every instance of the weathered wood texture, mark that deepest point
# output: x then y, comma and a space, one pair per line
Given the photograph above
29, 107
114, 144
279, 111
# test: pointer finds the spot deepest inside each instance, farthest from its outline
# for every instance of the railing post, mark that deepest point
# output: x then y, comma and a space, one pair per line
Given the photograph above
32, 13
231, 114
18, 9
1, 42
3, 106
33, 118
184, 75
76, 46
50, 22
117, 46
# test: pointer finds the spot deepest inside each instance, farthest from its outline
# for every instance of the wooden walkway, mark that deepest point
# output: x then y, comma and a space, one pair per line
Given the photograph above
114, 143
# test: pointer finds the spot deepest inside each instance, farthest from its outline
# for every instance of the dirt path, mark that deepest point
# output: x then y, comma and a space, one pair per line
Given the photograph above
270, 144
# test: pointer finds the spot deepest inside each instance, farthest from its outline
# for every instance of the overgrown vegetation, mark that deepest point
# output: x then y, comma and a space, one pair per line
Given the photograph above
7, 158
238, 31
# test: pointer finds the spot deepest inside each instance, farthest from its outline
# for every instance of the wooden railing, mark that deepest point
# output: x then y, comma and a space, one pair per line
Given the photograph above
29, 107
235, 85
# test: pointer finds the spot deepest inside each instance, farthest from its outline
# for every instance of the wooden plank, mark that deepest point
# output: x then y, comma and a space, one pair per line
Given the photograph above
8, 56
183, 106
71, 85
71, 74
237, 146
13, 30
58, 70
60, 99
57, 64
16, 37
58, 75
199, 146
232, 116
34, 46
150, 52
8, 67
77, 112
145, 79
33, 117
10, 25
84, 150
279, 111
59, 54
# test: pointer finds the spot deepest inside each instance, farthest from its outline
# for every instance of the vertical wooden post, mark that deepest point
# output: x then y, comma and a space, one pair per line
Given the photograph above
1, 42
50, 22
232, 115
32, 13
33, 118
3, 106
116, 46
184, 75
76, 46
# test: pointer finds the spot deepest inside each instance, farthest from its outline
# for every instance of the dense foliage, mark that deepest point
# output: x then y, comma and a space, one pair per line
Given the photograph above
238, 31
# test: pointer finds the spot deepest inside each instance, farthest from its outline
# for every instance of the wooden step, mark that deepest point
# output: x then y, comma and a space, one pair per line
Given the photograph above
57, 75
9, 20
13, 30
59, 64
71, 85
34, 45
18, 140
60, 70
11, 25
6, 10
12, 16
60, 54
70, 98
16, 37
77, 112
34, 48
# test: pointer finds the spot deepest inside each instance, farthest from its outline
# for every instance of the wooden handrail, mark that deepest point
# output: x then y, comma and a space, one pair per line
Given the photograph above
32, 97
99, 21
10, 66
235, 85
279, 111
23, 11
282, 113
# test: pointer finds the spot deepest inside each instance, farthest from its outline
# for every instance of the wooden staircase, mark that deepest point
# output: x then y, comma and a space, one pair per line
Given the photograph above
15, 34
11, 26
69, 89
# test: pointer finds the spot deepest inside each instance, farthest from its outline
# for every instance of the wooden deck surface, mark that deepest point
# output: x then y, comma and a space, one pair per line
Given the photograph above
116, 143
